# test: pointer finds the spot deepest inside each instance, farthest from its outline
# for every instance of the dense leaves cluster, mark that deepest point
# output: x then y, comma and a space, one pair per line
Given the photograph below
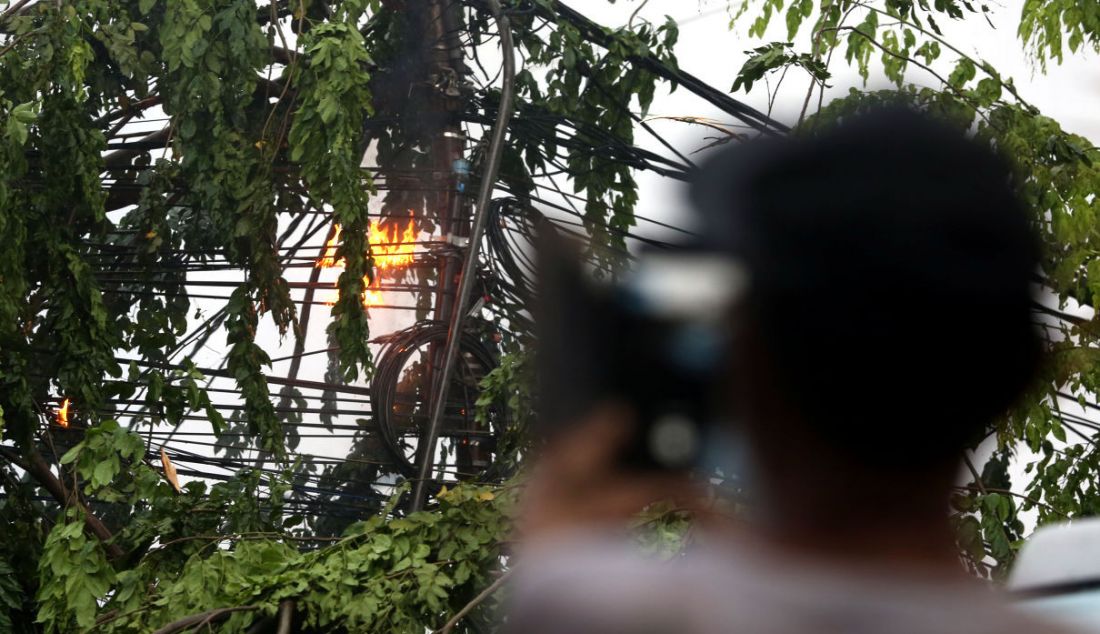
384, 575
1050, 27
327, 138
601, 86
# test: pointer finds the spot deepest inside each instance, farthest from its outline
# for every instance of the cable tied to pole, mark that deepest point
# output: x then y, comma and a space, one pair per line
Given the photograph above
393, 406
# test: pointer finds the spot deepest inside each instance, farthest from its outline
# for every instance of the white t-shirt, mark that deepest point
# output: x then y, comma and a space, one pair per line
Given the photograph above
606, 586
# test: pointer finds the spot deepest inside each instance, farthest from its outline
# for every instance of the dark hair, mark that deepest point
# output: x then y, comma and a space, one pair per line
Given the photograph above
891, 267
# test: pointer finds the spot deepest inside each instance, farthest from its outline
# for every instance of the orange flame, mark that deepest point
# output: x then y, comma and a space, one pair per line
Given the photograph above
63, 414
328, 260
391, 249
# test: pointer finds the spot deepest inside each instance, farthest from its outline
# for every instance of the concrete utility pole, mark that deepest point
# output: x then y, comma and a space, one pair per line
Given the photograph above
437, 24
464, 232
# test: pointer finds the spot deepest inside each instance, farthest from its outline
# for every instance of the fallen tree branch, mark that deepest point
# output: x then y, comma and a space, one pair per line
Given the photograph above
204, 618
478, 600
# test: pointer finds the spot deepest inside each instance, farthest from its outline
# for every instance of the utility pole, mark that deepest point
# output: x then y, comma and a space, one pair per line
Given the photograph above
448, 76
437, 24
465, 233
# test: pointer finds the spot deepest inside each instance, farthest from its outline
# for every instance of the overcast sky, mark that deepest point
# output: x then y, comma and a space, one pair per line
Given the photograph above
1069, 93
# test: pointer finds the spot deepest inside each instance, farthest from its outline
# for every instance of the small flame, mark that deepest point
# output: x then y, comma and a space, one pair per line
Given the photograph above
391, 249
63, 414
328, 260
373, 296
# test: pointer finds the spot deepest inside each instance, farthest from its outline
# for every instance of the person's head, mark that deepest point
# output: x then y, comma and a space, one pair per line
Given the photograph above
888, 317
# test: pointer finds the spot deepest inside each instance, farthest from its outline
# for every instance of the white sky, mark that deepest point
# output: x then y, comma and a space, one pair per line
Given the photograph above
708, 49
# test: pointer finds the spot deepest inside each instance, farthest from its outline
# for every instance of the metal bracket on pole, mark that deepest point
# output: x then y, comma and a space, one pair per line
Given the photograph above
469, 267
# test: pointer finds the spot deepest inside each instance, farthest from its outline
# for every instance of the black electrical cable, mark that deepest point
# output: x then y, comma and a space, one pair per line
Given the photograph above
520, 278
475, 357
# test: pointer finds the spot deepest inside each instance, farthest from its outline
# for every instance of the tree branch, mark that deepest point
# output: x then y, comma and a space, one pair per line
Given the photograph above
478, 600
40, 471
130, 109
1017, 495
120, 159
204, 618
925, 67
556, 11
974, 472
286, 615
13, 10
235, 536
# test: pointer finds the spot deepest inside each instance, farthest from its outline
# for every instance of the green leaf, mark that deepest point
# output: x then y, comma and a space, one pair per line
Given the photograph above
104, 473
71, 454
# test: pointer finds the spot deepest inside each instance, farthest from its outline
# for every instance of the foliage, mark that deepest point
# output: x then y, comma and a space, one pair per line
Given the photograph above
212, 53
661, 530
336, 100
267, 110
598, 86
767, 58
1050, 27
384, 575
10, 596
69, 593
513, 383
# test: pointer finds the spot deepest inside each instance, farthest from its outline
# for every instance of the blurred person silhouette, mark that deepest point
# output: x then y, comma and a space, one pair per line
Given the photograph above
885, 323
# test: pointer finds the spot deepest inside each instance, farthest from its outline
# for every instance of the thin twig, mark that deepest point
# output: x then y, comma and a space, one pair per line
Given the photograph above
974, 472
817, 57
241, 536
1018, 495
773, 94
630, 22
